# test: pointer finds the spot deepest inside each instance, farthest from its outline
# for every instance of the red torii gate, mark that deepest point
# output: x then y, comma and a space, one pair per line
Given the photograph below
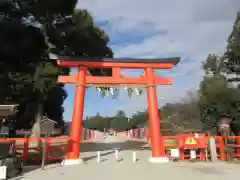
82, 79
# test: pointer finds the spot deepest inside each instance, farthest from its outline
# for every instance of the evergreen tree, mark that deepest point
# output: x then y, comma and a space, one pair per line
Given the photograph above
231, 58
220, 91
120, 114
32, 33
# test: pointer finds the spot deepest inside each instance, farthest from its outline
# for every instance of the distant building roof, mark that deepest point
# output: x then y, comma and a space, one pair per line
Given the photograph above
48, 119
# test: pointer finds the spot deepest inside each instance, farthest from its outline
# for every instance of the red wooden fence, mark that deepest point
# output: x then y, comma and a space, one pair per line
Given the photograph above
26, 145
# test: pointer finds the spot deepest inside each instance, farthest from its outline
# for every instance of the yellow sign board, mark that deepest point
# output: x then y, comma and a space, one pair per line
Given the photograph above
190, 141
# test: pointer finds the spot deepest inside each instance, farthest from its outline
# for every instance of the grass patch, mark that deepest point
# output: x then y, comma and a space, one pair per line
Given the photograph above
170, 142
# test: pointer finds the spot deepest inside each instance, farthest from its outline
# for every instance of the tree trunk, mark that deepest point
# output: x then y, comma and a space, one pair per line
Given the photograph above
36, 129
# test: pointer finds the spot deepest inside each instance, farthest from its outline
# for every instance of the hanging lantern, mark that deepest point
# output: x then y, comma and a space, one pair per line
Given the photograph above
103, 93
129, 92
111, 89
99, 89
138, 91
108, 93
115, 93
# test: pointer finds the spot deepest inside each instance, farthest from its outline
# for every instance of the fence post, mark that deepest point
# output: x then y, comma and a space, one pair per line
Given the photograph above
44, 147
221, 148
181, 148
213, 149
238, 146
202, 154
25, 150
48, 143
98, 156
134, 156
116, 155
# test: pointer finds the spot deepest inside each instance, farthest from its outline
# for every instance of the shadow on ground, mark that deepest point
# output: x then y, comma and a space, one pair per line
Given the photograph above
102, 146
126, 145
108, 147
26, 169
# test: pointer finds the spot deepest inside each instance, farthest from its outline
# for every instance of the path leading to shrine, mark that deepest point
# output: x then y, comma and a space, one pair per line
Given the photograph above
110, 169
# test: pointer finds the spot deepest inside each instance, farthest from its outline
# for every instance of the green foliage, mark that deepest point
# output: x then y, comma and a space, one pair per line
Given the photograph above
231, 58
219, 91
216, 100
181, 120
212, 65
119, 122
31, 32
120, 114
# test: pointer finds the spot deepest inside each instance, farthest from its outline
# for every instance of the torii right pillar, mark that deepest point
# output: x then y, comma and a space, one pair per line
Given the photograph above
158, 150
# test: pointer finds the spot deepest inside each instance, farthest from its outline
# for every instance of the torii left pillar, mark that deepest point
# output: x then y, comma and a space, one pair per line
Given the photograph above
77, 120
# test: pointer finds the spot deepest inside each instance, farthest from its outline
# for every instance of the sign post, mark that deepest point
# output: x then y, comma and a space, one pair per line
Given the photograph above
224, 126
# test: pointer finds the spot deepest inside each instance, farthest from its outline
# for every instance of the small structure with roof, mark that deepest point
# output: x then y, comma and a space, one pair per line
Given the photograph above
47, 125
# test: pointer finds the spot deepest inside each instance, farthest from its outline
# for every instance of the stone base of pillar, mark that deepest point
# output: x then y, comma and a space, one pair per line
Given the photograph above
69, 162
158, 159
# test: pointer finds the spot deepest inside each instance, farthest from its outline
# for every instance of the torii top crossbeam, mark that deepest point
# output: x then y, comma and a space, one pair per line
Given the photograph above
136, 63
116, 64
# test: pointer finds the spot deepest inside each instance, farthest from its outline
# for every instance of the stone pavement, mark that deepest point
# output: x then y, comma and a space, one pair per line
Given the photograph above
109, 168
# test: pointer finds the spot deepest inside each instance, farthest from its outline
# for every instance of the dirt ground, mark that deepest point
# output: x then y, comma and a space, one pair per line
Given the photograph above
109, 168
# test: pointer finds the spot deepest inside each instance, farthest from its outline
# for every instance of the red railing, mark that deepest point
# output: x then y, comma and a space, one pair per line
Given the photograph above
142, 133
26, 147
232, 146
30, 150
202, 155
182, 148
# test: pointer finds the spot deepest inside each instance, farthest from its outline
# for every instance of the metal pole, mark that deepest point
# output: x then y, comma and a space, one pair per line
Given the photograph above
44, 147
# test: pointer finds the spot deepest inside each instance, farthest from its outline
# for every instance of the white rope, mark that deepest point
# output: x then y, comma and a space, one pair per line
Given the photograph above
125, 86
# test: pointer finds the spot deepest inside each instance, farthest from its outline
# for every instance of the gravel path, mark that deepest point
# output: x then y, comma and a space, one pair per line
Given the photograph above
109, 168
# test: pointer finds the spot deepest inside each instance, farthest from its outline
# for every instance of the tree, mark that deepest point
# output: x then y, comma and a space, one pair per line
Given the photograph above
120, 114
139, 119
181, 116
216, 97
222, 80
31, 33
211, 105
95, 122
212, 65
231, 58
